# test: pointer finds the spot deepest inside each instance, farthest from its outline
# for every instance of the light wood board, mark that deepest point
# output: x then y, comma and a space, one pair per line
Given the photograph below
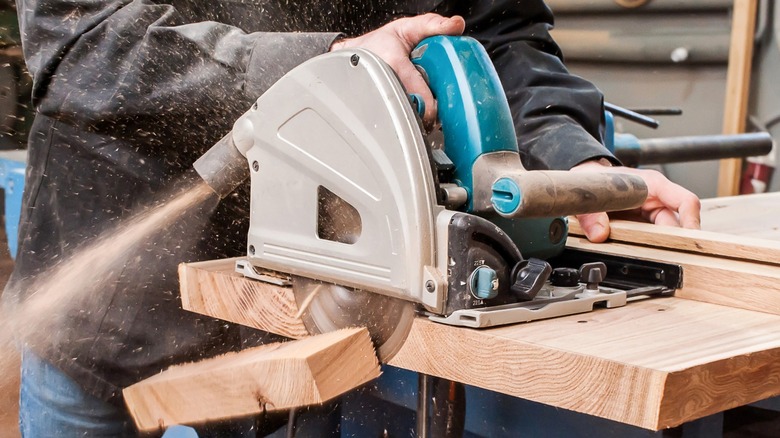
253, 304
653, 364
743, 25
267, 378
754, 216
733, 283
694, 241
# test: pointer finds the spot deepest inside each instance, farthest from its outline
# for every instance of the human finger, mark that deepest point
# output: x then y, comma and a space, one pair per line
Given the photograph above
414, 83
595, 225
677, 199
415, 29
412, 31
665, 216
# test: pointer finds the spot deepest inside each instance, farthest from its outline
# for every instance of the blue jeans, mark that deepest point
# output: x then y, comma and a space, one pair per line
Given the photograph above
51, 404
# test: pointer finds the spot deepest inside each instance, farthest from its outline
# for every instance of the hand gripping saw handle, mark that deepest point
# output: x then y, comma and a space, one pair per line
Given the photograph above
480, 140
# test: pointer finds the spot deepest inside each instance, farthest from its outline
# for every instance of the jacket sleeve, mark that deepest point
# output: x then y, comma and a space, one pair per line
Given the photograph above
115, 66
558, 116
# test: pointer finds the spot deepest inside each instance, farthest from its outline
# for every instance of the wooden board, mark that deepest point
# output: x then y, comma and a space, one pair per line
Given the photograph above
653, 364
695, 241
253, 304
754, 216
743, 27
733, 283
271, 377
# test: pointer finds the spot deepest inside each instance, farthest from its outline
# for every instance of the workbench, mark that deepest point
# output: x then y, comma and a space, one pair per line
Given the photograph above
652, 364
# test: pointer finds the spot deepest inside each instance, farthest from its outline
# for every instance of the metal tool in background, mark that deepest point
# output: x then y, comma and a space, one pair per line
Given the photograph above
634, 152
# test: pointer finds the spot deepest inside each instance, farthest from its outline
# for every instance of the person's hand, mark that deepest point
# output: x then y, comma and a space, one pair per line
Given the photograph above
394, 42
667, 203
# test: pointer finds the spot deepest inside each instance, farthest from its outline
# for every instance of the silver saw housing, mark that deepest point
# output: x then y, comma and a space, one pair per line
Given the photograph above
341, 187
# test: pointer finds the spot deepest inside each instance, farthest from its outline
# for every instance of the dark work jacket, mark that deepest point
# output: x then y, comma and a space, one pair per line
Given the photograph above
129, 93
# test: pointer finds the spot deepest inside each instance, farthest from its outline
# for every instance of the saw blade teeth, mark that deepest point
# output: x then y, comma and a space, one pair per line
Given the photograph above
325, 307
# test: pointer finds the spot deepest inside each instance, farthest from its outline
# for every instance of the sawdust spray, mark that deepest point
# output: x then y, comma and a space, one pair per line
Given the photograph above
76, 280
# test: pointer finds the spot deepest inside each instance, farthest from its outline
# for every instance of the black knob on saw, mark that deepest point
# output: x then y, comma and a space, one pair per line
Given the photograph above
565, 277
530, 275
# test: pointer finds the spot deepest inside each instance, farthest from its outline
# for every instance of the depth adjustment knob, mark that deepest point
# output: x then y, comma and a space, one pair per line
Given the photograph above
565, 277
483, 283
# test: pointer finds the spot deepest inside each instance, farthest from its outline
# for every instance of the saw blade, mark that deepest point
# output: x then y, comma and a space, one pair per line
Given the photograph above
328, 307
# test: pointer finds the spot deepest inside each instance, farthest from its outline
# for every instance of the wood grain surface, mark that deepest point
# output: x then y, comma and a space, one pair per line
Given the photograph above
250, 303
753, 216
271, 377
743, 25
733, 283
653, 364
695, 241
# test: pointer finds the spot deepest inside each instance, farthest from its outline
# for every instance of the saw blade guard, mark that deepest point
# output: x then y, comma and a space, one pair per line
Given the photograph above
341, 186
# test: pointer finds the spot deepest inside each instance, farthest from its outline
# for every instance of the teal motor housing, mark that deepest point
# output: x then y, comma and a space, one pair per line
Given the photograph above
476, 120
616, 142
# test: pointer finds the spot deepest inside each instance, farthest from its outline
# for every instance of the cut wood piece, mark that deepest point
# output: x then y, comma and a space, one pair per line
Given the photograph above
653, 364
756, 215
250, 303
695, 241
271, 377
732, 283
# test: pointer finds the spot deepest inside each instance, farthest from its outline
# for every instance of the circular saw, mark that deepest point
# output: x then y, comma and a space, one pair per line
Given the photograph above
349, 201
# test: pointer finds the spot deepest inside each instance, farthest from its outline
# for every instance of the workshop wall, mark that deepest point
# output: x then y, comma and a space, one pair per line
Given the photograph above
669, 54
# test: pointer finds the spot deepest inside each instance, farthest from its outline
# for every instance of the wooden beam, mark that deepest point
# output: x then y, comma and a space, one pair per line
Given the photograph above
271, 377
652, 364
743, 25
694, 241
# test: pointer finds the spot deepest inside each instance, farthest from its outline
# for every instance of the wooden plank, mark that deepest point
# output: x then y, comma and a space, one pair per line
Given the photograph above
271, 377
743, 27
653, 364
253, 304
695, 241
732, 283
756, 215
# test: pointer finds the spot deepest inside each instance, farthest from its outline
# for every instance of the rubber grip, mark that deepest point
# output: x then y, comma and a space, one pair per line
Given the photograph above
561, 193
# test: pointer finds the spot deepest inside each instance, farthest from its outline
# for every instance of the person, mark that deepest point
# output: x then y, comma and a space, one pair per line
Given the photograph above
129, 93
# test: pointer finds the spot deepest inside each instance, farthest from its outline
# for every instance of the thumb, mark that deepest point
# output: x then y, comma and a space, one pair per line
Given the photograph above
595, 225
415, 29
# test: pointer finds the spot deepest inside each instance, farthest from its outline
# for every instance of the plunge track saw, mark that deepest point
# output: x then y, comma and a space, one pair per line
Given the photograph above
371, 225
